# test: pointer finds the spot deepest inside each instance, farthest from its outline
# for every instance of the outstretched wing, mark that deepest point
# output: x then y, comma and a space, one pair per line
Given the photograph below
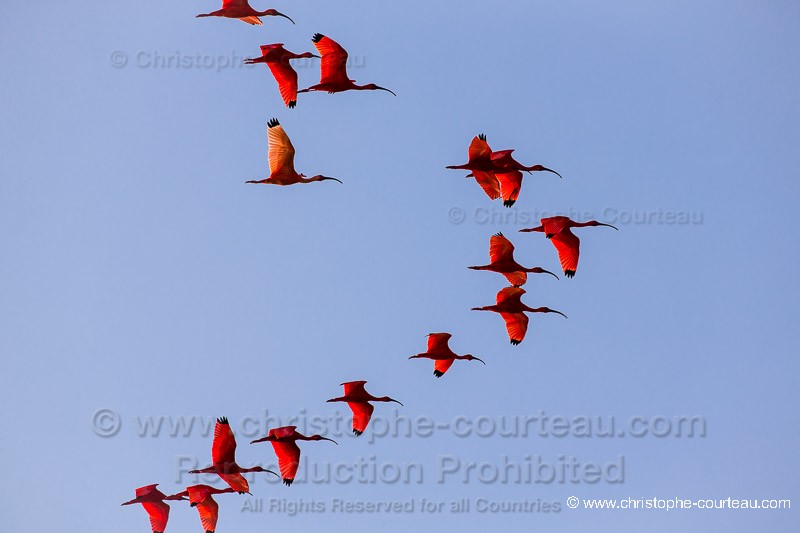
354, 387
362, 412
516, 279
500, 248
510, 296
223, 450
441, 366
209, 511
516, 325
479, 149
334, 59
488, 183
510, 185
286, 77
568, 246
437, 342
159, 514
281, 151
288, 459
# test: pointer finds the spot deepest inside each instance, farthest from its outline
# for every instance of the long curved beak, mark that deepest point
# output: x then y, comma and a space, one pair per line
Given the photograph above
559, 312
326, 438
387, 90
278, 13
263, 439
323, 178
479, 359
395, 401
543, 271
553, 171
271, 472
609, 225
315, 55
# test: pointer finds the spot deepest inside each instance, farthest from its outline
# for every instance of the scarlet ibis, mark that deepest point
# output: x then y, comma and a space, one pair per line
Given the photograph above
152, 500
200, 496
284, 442
481, 167
277, 59
223, 455
510, 307
501, 255
240, 9
440, 352
358, 399
281, 159
334, 78
557, 229
498, 173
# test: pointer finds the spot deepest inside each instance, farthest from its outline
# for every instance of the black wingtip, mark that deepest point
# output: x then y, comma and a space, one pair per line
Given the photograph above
288, 482
498, 234
509, 203
292, 104
357, 433
569, 273
223, 420
482, 136
438, 374
273, 122
317, 38
515, 342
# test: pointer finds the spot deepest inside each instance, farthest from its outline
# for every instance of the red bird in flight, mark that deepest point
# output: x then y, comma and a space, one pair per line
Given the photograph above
152, 500
284, 442
281, 159
240, 9
557, 229
277, 59
442, 355
334, 78
358, 399
501, 255
498, 173
200, 496
223, 455
510, 307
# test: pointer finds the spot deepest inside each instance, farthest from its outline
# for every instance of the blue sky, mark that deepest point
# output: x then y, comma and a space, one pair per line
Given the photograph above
141, 275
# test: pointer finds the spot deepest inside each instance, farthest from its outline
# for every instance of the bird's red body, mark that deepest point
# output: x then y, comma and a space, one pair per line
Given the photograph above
277, 59
439, 351
153, 501
240, 9
501, 255
558, 230
510, 307
200, 496
223, 456
498, 173
357, 398
333, 77
281, 160
284, 442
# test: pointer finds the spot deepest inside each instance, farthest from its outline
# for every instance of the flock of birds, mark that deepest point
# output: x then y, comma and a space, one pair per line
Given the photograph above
497, 173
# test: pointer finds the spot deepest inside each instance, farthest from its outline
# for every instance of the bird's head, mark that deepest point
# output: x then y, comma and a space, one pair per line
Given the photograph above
275, 13
470, 357
387, 399
373, 87
320, 177
541, 168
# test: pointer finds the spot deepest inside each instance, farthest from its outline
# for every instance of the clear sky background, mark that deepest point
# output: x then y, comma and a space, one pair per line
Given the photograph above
140, 274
